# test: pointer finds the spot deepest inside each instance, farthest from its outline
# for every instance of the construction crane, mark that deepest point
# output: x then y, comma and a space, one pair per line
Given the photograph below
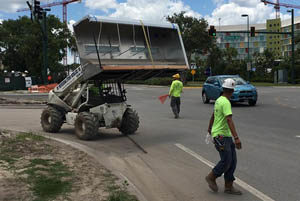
277, 6
64, 3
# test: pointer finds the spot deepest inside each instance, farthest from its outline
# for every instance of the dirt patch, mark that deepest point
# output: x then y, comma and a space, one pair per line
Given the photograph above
35, 168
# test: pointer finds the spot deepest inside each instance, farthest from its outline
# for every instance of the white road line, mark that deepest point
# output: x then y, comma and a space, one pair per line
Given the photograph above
241, 183
297, 136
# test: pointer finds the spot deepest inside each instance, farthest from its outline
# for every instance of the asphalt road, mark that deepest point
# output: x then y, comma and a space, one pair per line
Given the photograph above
269, 160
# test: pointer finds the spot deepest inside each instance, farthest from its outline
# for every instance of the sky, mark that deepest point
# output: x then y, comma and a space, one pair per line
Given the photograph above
223, 12
216, 12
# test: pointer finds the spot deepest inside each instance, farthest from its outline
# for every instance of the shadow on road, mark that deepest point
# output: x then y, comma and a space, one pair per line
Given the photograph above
103, 134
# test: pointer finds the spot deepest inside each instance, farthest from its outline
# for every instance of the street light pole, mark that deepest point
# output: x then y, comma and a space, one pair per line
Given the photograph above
293, 47
248, 36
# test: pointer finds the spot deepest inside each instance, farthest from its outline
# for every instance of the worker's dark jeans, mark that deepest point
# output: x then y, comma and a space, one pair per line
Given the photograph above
228, 161
175, 105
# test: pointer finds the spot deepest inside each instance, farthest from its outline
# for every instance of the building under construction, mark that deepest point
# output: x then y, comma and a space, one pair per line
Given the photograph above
280, 44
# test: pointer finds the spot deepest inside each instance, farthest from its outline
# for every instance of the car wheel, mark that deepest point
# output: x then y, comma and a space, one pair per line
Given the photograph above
252, 102
204, 98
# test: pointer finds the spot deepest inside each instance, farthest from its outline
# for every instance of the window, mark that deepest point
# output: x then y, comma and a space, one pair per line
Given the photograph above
270, 43
270, 37
274, 25
270, 25
211, 80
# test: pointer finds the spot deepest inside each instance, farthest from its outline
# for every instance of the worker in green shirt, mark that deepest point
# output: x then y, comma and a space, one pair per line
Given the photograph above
222, 129
174, 94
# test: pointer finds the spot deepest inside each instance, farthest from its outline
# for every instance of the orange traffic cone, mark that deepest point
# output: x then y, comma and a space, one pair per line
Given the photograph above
163, 98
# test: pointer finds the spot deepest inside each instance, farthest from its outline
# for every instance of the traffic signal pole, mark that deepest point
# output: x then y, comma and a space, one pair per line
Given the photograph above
45, 48
293, 48
40, 14
248, 70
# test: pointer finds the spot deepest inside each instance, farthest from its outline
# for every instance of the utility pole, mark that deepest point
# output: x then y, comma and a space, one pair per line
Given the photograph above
45, 47
41, 14
248, 71
293, 48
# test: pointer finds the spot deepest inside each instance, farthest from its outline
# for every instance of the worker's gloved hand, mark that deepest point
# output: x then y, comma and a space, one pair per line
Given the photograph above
238, 143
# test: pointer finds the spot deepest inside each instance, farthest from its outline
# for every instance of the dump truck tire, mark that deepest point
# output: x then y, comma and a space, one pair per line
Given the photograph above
86, 126
51, 119
130, 122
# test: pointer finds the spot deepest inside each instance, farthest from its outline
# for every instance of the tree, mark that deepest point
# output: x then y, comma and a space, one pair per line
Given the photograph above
230, 54
215, 59
263, 62
21, 45
194, 33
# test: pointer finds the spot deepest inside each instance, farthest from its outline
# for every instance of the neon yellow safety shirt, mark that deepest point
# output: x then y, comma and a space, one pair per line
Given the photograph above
221, 110
176, 88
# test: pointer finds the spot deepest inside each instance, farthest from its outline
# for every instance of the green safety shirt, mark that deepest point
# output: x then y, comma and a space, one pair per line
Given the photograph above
176, 88
221, 110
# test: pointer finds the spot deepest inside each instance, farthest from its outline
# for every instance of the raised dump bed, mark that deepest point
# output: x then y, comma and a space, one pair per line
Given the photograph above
128, 49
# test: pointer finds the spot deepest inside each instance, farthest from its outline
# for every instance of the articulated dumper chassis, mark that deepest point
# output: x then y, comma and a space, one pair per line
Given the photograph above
111, 51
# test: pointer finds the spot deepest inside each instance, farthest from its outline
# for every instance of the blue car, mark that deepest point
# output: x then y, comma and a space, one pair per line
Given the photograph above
243, 91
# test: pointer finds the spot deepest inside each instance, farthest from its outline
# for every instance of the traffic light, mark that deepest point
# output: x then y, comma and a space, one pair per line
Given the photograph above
212, 31
36, 6
37, 10
252, 33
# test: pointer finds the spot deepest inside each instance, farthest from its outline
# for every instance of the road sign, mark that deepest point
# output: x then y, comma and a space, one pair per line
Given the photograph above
193, 66
193, 72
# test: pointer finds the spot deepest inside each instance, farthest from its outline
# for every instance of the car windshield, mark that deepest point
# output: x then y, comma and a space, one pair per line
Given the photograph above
238, 80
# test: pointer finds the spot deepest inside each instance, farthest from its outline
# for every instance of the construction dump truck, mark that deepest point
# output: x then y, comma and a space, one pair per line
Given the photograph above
111, 51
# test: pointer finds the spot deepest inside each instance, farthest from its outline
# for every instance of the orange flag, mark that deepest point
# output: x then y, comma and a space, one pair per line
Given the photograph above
163, 98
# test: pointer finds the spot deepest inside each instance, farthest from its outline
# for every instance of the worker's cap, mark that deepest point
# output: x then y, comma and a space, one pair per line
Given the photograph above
176, 76
228, 83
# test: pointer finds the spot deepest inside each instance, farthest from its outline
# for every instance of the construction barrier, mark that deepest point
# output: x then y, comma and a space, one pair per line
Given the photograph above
41, 88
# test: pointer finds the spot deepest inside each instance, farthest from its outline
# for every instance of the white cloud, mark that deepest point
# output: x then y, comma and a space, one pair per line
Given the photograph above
230, 13
70, 25
246, 3
1, 20
218, 2
103, 5
12, 6
153, 10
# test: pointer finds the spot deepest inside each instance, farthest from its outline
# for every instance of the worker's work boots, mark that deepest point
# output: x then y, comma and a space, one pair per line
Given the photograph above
211, 180
230, 189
